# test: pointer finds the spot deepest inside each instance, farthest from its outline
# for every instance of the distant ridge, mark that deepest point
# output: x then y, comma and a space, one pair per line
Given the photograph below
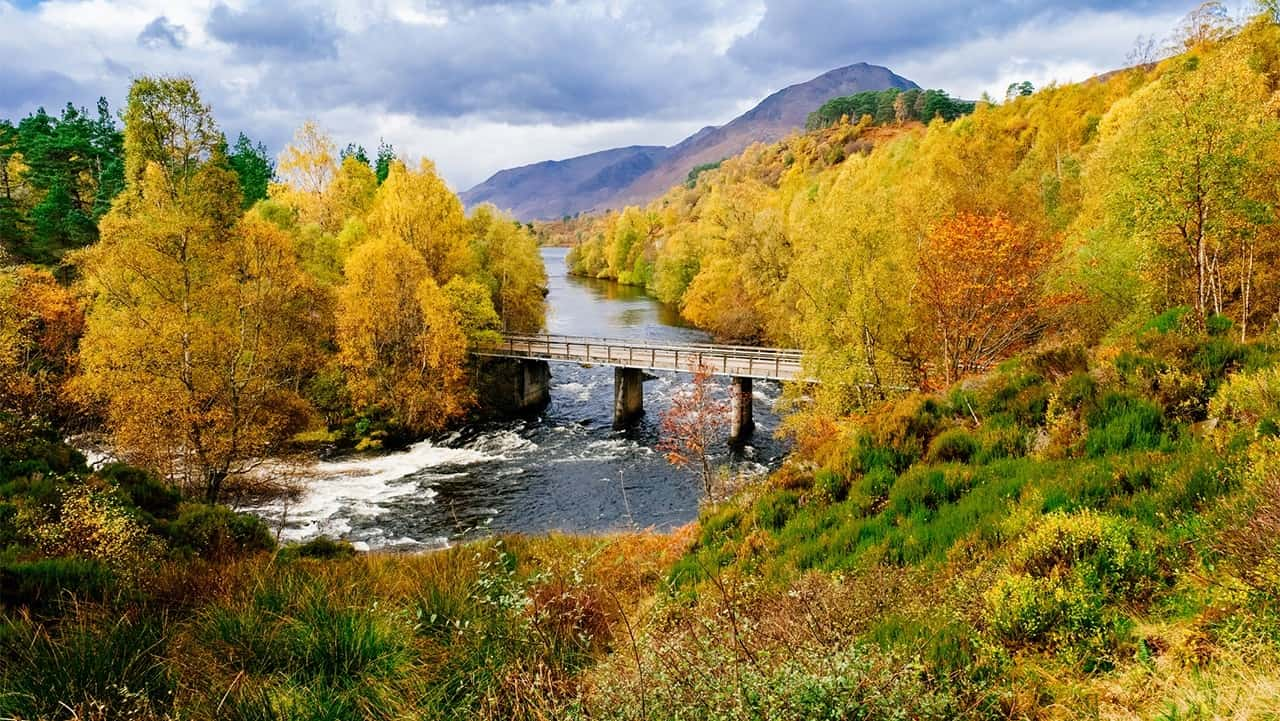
636, 174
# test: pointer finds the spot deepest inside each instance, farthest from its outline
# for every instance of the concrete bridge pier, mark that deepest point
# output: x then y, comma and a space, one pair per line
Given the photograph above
628, 395
741, 423
533, 386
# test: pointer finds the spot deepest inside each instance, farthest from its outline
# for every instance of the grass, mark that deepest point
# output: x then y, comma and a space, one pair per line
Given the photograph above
1061, 539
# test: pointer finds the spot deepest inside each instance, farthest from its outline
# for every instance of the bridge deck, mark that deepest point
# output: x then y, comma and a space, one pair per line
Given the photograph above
725, 360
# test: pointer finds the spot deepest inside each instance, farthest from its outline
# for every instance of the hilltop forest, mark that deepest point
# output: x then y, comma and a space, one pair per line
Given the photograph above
1037, 477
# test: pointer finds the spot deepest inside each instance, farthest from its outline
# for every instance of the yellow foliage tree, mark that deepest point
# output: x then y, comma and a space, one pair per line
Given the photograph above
196, 333
509, 265
400, 339
418, 209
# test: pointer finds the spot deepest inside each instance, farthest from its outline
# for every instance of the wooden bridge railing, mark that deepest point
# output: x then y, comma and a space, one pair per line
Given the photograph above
726, 360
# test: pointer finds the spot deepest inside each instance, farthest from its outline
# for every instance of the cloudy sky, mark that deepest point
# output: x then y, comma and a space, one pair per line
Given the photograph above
479, 85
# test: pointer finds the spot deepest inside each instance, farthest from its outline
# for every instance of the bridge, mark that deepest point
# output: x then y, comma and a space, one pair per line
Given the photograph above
632, 358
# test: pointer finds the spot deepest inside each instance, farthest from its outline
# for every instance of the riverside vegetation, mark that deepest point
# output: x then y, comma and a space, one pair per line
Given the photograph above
1075, 514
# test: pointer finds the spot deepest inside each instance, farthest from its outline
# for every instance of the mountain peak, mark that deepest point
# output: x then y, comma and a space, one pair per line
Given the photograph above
636, 174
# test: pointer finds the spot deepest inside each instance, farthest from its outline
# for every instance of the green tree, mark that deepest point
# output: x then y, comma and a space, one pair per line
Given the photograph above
382, 166
254, 167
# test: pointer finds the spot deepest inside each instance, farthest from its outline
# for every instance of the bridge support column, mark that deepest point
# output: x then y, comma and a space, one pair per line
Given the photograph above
628, 395
741, 421
533, 390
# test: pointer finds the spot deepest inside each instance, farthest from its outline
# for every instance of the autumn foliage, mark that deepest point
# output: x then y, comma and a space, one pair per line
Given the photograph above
981, 291
696, 421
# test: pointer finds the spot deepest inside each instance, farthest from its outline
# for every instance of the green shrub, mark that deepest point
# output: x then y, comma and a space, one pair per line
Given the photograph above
998, 443
928, 488
1121, 423
143, 490
829, 486
30, 446
1067, 582
1248, 398
322, 547
956, 445
1108, 553
217, 531
773, 510
1016, 399
47, 582
1169, 321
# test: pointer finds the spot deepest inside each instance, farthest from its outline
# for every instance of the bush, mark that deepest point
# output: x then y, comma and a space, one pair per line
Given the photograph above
322, 547
143, 490
1122, 423
1108, 553
218, 532
829, 486
998, 443
32, 447
1064, 582
775, 509
1248, 398
956, 445
96, 525
45, 583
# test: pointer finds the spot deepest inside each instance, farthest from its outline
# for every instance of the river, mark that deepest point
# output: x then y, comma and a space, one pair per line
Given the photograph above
565, 470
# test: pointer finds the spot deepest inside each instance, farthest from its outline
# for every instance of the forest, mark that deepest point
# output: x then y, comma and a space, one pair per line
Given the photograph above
1037, 475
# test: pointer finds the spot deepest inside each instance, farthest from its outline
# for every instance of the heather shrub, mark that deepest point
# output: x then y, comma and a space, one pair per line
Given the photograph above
93, 524
1248, 398
218, 532
955, 445
1064, 581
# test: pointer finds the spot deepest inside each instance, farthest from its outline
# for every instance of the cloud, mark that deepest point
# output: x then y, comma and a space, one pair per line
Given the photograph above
484, 84
22, 90
276, 31
800, 35
161, 32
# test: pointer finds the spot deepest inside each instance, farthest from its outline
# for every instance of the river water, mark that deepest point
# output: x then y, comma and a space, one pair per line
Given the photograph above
565, 470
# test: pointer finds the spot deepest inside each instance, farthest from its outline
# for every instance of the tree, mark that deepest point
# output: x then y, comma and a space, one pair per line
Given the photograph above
356, 152
382, 165
40, 326
1019, 90
197, 330
417, 208
307, 166
980, 292
694, 424
1208, 23
69, 169
400, 339
253, 167
1188, 174
510, 266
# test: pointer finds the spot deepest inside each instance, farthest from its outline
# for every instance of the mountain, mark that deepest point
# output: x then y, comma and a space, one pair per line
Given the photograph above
637, 174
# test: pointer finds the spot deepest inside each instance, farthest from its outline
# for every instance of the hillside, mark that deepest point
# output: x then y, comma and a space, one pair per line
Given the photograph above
637, 174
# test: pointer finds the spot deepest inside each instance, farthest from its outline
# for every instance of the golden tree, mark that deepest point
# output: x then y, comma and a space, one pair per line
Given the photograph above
980, 293
196, 330
509, 264
399, 337
418, 209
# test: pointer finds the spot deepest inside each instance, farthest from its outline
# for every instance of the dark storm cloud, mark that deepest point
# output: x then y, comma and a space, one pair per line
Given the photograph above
831, 31
277, 31
161, 32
